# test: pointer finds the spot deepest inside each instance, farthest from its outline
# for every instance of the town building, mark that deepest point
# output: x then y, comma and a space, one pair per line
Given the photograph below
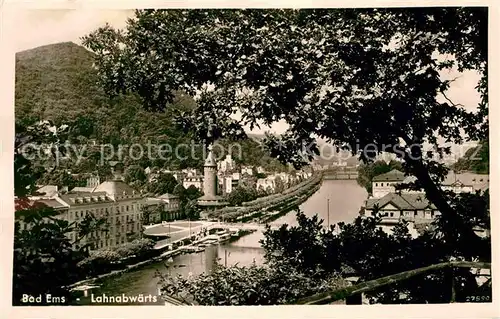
246, 170
93, 181
229, 182
384, 184
465, 182
166, 207
196, 181
227, 164
266, 184
46, 191
112, 200
191, 172
458, 183
261, 170
410, 206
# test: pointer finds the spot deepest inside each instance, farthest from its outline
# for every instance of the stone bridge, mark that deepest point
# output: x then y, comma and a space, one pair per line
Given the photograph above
340, 174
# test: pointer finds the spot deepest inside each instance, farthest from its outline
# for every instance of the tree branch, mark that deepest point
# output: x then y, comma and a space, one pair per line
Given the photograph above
447, 99
339, 294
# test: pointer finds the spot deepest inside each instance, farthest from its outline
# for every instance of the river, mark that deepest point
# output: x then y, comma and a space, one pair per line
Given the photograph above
346, 198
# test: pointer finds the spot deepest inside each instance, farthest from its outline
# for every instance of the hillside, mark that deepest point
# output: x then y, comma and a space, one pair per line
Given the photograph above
58, 83
476, 159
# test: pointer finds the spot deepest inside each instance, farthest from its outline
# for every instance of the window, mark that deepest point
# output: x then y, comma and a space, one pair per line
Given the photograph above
391, 214
127, 208
376, 184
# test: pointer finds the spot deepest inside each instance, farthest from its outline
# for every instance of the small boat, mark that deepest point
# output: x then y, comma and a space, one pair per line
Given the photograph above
199, 249
84, 287
165, 254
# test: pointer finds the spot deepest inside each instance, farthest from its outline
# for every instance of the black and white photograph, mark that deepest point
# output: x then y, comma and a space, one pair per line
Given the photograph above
251, 157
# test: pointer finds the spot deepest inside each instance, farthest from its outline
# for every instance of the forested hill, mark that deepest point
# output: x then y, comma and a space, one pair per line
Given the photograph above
476, 159
58, 83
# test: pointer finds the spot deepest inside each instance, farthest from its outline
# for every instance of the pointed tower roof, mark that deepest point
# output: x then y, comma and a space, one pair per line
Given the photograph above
210, 160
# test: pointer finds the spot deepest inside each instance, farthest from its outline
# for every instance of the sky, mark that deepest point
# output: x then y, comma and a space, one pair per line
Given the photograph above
41, 27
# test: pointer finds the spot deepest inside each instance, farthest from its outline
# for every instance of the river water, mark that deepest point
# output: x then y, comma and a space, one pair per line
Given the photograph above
346, 198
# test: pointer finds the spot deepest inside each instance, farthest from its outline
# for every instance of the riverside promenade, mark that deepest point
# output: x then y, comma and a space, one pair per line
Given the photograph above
178, 231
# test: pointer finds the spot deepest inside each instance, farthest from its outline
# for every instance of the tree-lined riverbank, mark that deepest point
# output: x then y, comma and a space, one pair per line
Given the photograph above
269, 205
281, 204
345, 196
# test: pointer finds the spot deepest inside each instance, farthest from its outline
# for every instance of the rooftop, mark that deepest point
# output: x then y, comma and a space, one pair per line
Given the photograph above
210, 160
84, 198
114, 187
26, 203
468, 179
405, 201
392, 176
168, 196
79, 189
211, 201
48, 190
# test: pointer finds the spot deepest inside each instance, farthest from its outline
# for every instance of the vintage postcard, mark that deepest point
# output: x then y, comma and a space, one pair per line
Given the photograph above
251, 157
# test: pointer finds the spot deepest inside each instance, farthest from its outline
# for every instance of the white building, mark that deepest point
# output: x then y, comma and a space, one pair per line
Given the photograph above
196, 181
413, 205
466, 182
47, 191
246, 170
229, 182
227, 164
169, 208
93, 181
191, 172
385, 183
406, 205
459, 183
113, 200
266, 184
